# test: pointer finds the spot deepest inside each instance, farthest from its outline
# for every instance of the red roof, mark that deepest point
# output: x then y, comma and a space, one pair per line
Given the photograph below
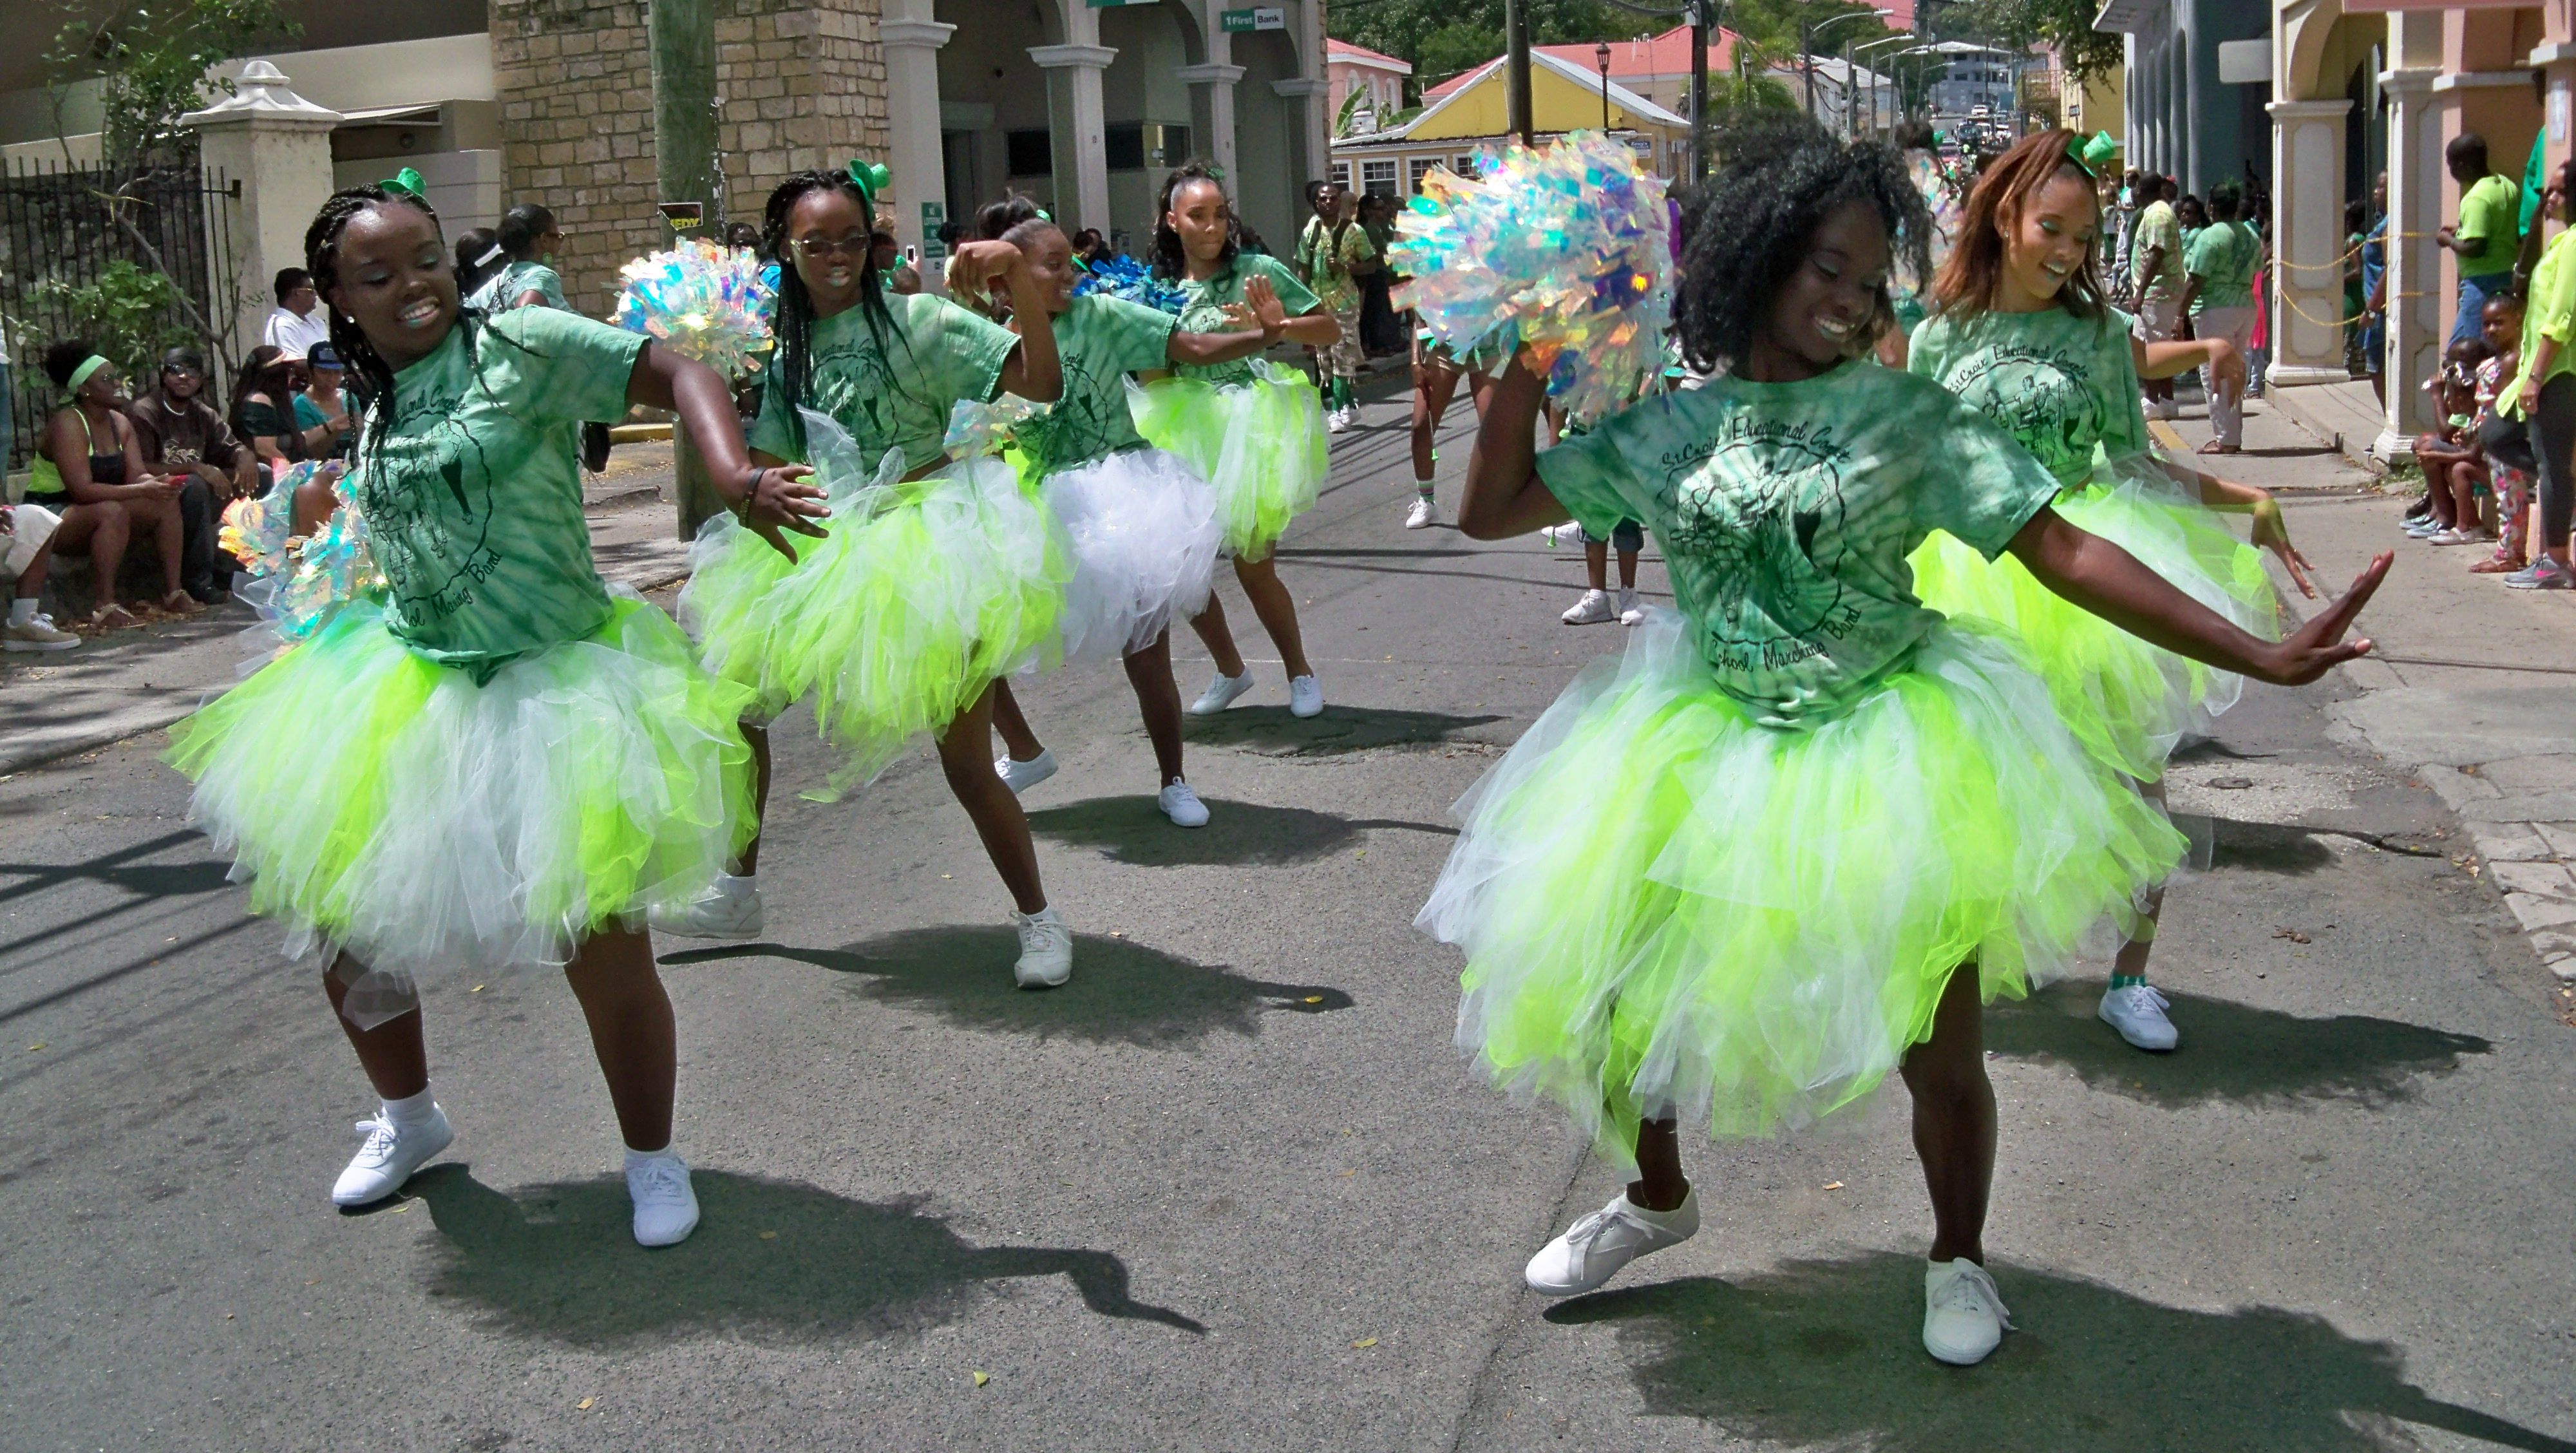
1667, 54
1343, 49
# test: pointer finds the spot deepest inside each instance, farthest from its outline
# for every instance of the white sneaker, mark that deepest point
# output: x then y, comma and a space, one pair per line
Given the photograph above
1223, 692
1631, 609
2138, 1012
666, 1209
1338, 421
1594, 1248
1423, 515
2164, 409
1305, 696
1046, 949
1963, 1314
1182, 805
388, 1157
1568, 533
1020, 776
730, 909
1591, 610
38, 634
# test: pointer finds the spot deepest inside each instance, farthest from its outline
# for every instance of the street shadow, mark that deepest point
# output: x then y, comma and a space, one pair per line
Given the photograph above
2230, 1051
1828, 1354
771, 1262
1131, 829
2265, 847
1122, 992
118, 868
1271, 731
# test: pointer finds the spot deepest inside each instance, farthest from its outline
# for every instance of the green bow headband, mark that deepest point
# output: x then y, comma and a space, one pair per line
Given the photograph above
2094, 154
870, 177
406, 183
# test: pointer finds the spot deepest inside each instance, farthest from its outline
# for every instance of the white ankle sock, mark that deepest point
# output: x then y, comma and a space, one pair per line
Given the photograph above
22, 610
411, 1109
636, 1157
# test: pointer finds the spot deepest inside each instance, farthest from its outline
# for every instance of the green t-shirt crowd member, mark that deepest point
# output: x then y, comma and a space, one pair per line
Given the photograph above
2490, 230
2158, 228
1325, 254
472, 492
1786, 512
1204, 303
501, 292
894, 393
2064, 387
1101, 340
2223, 254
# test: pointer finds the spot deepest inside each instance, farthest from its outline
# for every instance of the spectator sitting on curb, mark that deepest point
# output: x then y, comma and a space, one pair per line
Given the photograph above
263, 413
89, 471
27, 532
180, 434
299, 321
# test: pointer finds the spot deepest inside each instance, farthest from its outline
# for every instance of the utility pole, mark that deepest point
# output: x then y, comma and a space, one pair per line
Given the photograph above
1516, 69
682, 35
1699, 91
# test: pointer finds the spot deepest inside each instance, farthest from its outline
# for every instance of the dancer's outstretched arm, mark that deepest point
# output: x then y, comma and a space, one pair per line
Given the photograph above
772, 499
1504, 495
2109, 581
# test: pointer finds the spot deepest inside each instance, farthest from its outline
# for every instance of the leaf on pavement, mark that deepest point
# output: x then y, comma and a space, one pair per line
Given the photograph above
1365, 1342
982, 1378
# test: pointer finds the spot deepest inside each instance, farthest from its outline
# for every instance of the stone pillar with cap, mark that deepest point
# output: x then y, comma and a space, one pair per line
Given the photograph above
912, 38
275, 146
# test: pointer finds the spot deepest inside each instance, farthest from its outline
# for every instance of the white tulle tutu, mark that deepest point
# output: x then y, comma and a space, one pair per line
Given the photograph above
1145, 535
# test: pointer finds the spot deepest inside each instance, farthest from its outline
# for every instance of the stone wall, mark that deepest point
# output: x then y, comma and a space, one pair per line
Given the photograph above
802, 82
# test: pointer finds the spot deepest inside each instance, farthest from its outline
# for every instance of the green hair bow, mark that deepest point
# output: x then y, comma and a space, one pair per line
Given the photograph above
2094, 154
406, 183
870, 177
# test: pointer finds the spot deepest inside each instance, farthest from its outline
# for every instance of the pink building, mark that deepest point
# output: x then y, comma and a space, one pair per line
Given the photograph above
1378, 78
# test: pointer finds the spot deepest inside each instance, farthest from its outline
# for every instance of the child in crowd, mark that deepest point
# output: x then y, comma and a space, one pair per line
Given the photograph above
2449, 444
2504, 441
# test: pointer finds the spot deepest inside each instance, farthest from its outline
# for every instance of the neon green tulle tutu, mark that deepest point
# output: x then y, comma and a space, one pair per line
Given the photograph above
917, 596
1665, 905
1261, 444
2127, 700
387, 805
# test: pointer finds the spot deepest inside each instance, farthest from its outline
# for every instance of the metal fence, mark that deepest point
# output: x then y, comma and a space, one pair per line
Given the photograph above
65, 229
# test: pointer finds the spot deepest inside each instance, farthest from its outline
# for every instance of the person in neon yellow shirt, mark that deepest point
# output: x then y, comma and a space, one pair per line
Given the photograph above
2488, 233
2544, 394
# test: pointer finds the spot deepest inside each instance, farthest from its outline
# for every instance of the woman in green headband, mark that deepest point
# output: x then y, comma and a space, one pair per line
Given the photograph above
90, 471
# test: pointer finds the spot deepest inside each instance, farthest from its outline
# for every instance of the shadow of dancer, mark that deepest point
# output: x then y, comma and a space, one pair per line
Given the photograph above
1823, 1353
773, 1261
1132, 830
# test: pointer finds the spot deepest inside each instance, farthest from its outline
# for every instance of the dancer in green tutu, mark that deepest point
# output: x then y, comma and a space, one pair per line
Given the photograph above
1846, 824
1256, 432
932, 577
497, 761
2021, 333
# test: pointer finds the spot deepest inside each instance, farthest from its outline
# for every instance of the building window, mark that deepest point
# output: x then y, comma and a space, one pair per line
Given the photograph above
1136, 146
1029, 153
1340, 172
1378, 177
1464, 164
1419, 168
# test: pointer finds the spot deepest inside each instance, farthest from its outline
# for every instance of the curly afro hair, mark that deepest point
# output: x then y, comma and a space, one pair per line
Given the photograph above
1750, 226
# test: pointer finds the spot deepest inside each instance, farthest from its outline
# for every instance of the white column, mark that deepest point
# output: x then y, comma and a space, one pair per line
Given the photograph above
2416, 326
1219, 78
277, 146
1078, 116
912, 40
1308, 94
2307, 233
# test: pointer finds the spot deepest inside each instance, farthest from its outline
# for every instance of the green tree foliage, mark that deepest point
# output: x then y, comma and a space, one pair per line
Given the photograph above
153, 60
2065, 26
130, 315
1441, 38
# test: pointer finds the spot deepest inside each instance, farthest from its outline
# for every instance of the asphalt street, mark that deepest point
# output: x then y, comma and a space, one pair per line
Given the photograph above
1232, 1188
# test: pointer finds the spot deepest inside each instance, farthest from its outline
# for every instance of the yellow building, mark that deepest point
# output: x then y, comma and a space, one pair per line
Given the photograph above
1472, 113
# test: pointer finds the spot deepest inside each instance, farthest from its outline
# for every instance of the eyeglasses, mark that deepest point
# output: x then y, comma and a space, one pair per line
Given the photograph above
856, 242
177, 370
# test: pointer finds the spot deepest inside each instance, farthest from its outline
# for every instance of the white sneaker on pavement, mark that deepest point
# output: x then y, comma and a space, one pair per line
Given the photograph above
1568, 533
1338, 421
1594, 1248
1181, 805
2138, 1012
1423, 515
1046, 949
1631, 609
666, 1207
389, 1155
1591, 610
729, 909
39, 633
1020, 776
1963, 1315
1305, 696
1223, 692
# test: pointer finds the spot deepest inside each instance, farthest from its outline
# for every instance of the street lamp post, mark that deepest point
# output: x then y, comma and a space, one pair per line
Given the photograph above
1601, 56
1807, 48
1864, 48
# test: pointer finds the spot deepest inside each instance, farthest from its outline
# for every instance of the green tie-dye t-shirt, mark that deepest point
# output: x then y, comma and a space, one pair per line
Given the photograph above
897, 396
502, 291
1204, 310
1101, 340
2223, 255
2065, 387
473, 492
1786, 512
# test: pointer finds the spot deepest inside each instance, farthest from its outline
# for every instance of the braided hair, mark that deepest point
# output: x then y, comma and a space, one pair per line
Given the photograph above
1171, 260
1751, 225
793, 322
370, 376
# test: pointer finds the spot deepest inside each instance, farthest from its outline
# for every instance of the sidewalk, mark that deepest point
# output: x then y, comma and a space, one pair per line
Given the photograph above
141, 680
2471, 686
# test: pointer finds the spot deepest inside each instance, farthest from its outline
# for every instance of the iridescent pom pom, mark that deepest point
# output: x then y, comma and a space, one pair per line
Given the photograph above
1125, 277
704, 302
977, 429
1566, 249
331, 568
255, 529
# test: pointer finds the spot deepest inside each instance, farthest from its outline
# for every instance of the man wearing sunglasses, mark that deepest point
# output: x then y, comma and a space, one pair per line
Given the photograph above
181, 435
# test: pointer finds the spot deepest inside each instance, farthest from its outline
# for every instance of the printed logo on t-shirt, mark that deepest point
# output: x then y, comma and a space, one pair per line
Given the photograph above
2043, 397
1753, 502
433, 549
854, 385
